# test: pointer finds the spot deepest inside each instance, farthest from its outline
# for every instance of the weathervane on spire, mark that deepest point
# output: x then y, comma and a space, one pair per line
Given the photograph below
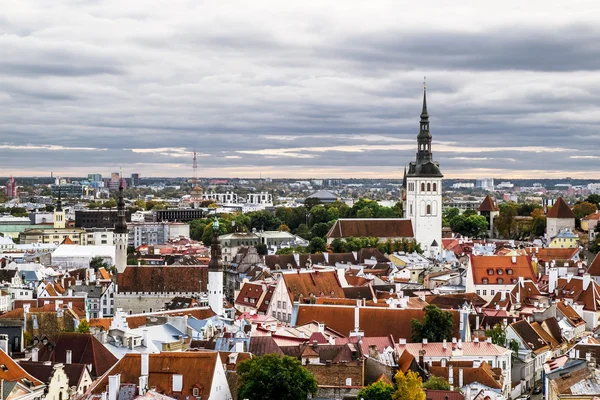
425, 82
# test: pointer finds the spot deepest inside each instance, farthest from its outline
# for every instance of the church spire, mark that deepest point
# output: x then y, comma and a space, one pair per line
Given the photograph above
215, 263
424, 136
59, 201
121, 225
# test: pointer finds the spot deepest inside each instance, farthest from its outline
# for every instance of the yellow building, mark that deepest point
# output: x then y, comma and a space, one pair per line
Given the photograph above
565, 239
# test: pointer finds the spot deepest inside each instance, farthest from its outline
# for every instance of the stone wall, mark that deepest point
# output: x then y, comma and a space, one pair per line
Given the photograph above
337, 374
132, 304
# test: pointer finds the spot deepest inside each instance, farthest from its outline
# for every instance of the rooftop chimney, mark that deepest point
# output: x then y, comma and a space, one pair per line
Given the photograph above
587, 278
402, 341
114, 385
424, 341
450, 375
444, 345
69, 356
460, 377
145, 359
34, 354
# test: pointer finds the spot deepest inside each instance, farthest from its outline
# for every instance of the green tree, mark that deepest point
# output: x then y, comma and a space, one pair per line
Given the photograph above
365, 213
274, 377
97, 262
584, 208
208, 232
49, 207
320, 230
498, 335
448, 214
263, 220
110, 203
83, 327
594, 199
376, 391
436, 383
318, 214
317, 245
505, 222
436, 326
283, 228
262, 249
18, 212
468, 213
310, 202
303, 231
337, 245
197, 228
538, 224
409, 386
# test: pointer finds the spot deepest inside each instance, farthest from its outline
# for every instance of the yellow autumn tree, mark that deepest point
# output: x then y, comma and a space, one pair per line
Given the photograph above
410, 386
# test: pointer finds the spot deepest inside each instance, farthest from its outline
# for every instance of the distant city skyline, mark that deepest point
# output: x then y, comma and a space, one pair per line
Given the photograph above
296, 90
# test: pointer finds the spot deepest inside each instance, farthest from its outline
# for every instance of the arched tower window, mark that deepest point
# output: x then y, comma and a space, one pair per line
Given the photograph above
422, 186
435, 187
429, 187
428, 209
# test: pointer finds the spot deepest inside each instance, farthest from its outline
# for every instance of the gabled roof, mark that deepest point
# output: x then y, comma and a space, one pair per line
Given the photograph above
483, 375
85, 348
250, 294
529, 336
371, 227
569, 312
553, 253
43, 371
261, 345
594, 268
373, 321
560, 209
496, 268
160, 279
14, 372
455, 301
197, 368
488, 204
317, 283
573, 289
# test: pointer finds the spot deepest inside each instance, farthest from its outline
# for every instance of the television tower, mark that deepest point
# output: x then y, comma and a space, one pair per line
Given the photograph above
195, 166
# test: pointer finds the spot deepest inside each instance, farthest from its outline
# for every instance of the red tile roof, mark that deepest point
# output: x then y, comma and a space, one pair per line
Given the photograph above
594, 268
85, 348
196, 367
376, 227
530, 336
495, 269
488, 204
552, 253
317, 283
443, 395
14, 372
560, 209
160, 279
250, 294
374, 321
483, 375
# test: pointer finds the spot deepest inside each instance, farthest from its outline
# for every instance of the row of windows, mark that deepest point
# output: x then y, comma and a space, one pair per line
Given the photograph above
499, 281
279, 316
429, 187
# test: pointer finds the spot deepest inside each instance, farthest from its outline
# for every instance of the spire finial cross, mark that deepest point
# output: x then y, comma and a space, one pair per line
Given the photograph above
424, 82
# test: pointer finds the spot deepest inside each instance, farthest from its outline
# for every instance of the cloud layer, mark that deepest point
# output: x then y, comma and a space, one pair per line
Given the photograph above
298, 89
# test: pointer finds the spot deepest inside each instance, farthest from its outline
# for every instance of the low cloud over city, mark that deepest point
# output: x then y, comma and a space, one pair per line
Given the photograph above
295, 89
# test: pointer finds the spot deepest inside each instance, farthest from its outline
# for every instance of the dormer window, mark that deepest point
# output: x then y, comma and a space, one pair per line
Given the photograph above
499, 271
490, 271
509, 271
484, 281
500, 281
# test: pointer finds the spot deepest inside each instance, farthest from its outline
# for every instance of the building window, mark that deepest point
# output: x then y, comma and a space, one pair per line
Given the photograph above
492, 292
435, 187
429, 187
278, 304
284, 305
485, 292
500, 281
195, 392
478, 292
490, 271
428, 209
484, 281
422, 186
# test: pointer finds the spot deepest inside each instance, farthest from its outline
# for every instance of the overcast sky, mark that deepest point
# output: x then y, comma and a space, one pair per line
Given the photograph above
298, 89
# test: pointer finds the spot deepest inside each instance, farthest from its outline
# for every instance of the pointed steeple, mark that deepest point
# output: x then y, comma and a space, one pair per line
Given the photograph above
121, 225
59, 201
215, 263
424, 136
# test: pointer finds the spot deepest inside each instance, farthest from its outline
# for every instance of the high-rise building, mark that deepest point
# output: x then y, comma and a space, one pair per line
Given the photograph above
215, 273
135, 180
121, 235
11, 188
423, 188
486, 184
95, 177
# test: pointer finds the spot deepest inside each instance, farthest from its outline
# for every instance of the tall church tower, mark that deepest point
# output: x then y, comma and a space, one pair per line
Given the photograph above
59, 214
121, 234
423, 189
215, 273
